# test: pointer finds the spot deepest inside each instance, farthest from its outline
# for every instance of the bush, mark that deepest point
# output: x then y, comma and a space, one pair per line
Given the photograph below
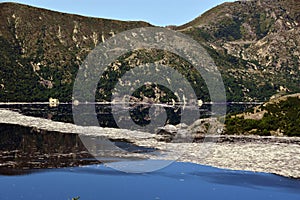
284, 115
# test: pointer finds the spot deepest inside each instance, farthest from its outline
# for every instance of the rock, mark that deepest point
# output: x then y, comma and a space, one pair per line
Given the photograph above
206, 126
167, 132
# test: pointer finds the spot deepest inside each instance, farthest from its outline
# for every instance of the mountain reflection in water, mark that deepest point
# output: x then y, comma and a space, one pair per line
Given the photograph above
25, 150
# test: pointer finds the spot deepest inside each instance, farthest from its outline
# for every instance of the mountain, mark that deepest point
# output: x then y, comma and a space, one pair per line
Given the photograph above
263, 34
254, 44
41, 50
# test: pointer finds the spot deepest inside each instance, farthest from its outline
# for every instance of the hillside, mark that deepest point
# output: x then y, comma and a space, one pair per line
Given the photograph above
280, 116
254, 44
260, 38
41, 50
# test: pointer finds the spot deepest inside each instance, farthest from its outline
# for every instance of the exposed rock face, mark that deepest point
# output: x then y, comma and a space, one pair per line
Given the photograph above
255, 31
196, 132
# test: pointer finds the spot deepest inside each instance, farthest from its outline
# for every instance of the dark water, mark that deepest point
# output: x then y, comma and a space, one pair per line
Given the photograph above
63, 112
176, 182
25, 150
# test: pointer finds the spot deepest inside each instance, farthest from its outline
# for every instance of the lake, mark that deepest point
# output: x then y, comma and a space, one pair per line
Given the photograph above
178, 181
37, 164
63, 112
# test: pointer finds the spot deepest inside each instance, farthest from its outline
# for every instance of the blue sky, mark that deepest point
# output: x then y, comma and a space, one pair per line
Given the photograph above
157, 12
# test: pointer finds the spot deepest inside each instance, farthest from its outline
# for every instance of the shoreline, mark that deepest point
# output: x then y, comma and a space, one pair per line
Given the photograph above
279, 159
269, 154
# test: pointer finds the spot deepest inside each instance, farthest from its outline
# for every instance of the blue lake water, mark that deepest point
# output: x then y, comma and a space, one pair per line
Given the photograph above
177, 181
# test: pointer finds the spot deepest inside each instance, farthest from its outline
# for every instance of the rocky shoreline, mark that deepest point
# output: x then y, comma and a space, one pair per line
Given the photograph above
277, 155
270, 157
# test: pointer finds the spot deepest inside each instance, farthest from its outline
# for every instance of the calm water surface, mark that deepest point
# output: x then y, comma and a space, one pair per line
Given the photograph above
178, 181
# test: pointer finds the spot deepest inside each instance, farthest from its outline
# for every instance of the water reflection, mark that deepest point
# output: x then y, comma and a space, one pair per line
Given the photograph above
25, 150
63, 112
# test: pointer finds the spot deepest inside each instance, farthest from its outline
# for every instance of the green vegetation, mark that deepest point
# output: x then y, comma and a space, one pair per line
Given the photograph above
280, 118
263, 24
111, 76
229, 29
235, 81
21, 83
199, 34
40, 58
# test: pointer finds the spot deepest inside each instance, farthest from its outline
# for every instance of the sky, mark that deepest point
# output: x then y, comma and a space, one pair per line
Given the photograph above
156, 12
